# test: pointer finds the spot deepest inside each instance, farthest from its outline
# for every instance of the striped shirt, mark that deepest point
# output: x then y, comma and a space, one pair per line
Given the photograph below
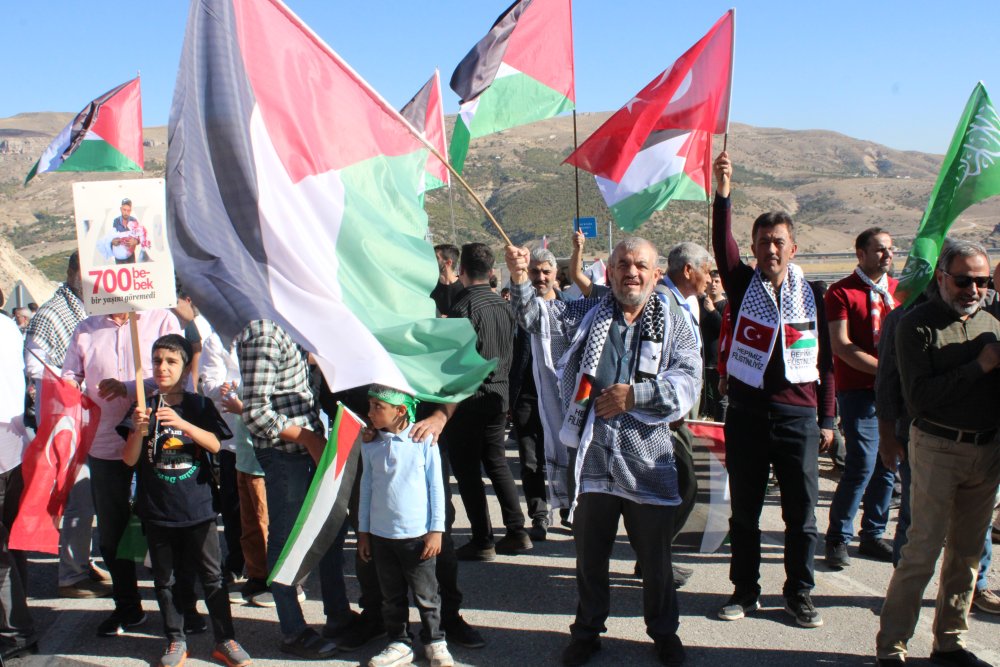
494, 323
277, 388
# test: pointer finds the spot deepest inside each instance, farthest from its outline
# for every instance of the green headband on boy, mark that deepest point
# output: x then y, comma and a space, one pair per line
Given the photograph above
396, 397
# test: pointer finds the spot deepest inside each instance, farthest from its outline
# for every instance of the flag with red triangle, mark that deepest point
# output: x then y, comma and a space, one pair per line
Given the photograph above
426, 113
520, 72
105, 136
325, 507
658, 147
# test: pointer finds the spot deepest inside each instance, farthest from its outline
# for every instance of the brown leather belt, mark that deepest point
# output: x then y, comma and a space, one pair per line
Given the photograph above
957, 435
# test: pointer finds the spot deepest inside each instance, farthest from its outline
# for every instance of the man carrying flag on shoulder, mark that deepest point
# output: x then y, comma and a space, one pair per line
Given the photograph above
781, 401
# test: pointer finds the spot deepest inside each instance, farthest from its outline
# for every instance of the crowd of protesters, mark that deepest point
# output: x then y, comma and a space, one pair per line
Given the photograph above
596, 391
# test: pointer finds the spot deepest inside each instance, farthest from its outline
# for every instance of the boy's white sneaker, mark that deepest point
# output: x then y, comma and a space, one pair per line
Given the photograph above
396, 653
438, 656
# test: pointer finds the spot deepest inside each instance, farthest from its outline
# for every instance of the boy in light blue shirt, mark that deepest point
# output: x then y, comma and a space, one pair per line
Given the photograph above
401, 520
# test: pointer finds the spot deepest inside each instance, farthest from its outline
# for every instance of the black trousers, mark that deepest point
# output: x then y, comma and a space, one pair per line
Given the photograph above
197, 547
756, 441
476, 442
400, 570
650, 530
229, 508
111, 483
531, 451
446, 566
16, 625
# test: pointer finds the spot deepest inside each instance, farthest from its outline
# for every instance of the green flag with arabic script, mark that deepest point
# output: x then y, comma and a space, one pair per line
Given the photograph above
970, 173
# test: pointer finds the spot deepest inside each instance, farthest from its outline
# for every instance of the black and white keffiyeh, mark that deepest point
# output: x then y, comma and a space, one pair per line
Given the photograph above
51, 328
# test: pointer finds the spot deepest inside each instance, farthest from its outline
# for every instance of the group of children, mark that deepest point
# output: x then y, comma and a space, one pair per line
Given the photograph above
401, 516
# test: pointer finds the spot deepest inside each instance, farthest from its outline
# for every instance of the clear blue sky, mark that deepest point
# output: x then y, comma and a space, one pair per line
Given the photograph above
898, 73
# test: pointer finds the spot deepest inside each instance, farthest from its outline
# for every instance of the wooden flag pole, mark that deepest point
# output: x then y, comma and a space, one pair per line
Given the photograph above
576, 171
140, 386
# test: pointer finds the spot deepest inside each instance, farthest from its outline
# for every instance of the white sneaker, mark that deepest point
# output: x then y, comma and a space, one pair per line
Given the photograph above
396, 653
262, 599
437, 654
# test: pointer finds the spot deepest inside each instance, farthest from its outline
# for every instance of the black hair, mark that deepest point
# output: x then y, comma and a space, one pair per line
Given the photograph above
477, 261
773, 219
448, 251
73, 265
175, 343
864, 237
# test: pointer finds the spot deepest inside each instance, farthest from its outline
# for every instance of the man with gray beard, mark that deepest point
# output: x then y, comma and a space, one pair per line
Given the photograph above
948, 352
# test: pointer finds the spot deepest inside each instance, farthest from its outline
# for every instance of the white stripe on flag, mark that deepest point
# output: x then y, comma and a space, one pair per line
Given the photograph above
651, 165
303, 276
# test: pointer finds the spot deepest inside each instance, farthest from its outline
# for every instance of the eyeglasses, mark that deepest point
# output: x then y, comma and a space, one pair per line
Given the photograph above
962, 282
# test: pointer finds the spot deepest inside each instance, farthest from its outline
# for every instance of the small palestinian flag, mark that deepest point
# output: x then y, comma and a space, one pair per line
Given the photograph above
584, 390
799, 335
105, 136
325, 507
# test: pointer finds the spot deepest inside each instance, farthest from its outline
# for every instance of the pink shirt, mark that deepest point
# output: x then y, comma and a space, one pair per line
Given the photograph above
102, 348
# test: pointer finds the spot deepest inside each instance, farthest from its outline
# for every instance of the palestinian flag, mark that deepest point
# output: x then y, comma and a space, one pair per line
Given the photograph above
800, 335
294, 194
105, 136
658, 147
712, 437
425, 112
520, 72
325, 507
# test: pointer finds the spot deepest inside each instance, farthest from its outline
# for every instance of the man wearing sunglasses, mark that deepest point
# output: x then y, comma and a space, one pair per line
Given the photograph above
948, 351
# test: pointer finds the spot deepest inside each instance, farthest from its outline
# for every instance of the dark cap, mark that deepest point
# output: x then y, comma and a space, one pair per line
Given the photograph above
126, 202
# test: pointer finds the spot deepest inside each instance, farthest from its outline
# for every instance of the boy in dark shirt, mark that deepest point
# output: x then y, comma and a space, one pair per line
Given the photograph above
170, 438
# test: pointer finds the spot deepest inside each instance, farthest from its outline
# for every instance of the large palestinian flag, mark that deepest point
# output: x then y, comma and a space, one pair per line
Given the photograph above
425, 112
325, 507
658, 147
105, 136
293, 194
520, 72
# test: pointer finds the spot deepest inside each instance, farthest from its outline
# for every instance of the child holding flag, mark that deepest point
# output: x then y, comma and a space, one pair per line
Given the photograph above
401, 520
169, 438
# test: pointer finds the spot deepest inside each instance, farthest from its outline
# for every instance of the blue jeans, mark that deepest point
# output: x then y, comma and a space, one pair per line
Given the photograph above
286, 480
865, 479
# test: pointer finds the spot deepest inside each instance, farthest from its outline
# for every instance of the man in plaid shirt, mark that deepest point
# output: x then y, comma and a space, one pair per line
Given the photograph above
281, 411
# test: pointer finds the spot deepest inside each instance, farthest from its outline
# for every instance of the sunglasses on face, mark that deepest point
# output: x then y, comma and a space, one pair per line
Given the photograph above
962, 282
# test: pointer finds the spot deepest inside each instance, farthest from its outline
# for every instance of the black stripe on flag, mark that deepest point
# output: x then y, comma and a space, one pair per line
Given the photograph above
212, 213
479, 67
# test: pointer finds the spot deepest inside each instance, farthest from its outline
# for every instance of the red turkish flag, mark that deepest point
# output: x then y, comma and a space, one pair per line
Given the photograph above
67, 423
754, 334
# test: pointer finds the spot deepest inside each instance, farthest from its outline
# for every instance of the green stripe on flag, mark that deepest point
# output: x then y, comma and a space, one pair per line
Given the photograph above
97, 155
634, 210
459, 147
386, 272
534, 101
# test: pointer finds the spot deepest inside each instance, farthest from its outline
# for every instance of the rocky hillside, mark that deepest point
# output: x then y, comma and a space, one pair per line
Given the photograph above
834, 185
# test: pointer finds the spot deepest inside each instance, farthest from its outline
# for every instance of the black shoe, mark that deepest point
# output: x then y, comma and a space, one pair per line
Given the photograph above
194, 623
473, 551
120, 621
960, 658
365, 628
681, 575
836, 555
580, 651
880, 550
670, 651
740, 604
888, 662
15, 649
457, 631
514, 543
801, 607
252, 587
564, 518
539, 530
309, 646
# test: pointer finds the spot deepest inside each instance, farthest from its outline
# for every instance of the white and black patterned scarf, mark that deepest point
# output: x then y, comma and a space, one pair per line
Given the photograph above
761, 325
52, 326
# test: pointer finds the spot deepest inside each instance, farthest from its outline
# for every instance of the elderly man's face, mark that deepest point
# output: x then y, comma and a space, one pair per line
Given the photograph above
699, 277
633, 274
543, 278
958, 284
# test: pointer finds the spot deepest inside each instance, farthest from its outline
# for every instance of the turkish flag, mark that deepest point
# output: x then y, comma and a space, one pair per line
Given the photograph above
67, 422
754, 334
